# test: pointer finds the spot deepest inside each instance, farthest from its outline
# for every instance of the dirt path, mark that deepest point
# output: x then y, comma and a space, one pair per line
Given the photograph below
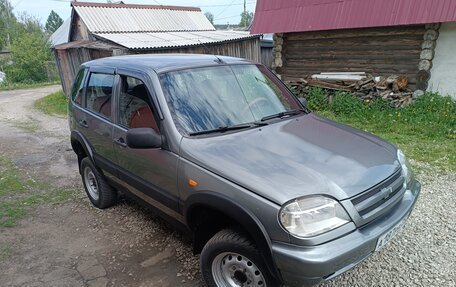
72, 243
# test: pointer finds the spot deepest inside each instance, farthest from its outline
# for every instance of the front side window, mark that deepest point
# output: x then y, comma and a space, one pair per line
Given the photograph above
99, 94
78, 86
212, 97
134, 105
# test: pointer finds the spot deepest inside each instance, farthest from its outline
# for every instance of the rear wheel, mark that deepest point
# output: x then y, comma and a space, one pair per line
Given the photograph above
98, 190
230, 259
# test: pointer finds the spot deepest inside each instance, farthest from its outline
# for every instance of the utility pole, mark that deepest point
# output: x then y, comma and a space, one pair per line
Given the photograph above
8, 24
245, 10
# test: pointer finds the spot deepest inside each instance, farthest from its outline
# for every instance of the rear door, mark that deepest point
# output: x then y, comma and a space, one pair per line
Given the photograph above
149, 173
97, 122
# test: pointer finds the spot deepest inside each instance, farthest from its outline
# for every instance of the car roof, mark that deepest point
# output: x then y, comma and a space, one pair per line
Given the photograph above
163, 62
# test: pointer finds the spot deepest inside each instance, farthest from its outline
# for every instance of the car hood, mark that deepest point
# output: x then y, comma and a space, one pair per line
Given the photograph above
296, 157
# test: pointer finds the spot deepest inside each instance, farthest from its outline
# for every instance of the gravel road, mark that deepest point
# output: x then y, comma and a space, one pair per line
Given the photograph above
74, 244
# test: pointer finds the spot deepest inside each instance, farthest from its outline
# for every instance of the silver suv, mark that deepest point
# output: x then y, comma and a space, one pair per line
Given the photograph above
271, 193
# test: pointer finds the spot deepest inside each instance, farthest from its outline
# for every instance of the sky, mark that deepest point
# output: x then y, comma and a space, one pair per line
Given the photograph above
224, 11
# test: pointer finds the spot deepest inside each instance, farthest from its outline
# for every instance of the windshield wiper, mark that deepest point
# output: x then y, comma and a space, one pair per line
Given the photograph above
282, 114
228, 128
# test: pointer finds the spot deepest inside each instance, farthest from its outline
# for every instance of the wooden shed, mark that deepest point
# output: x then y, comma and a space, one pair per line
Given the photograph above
380, 37
98, 30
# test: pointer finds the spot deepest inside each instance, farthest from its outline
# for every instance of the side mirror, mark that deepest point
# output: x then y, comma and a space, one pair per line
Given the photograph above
143, 138
303, 101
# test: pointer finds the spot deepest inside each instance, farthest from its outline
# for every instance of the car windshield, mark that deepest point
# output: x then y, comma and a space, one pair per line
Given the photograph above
222, 96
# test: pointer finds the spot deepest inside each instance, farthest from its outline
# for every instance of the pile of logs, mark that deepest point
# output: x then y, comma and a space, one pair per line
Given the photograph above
393, 89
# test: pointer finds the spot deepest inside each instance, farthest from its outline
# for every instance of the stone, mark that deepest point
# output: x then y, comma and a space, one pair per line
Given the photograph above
425, 65
157, 258
428, 44
431, 35
278, 62
432, 26
91, 269
418, 93
427, 54
99, 282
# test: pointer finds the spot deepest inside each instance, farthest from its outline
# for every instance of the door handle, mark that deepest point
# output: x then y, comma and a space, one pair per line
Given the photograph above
121, 142
83, 123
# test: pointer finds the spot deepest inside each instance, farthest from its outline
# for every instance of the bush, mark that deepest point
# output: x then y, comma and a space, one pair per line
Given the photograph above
30, 53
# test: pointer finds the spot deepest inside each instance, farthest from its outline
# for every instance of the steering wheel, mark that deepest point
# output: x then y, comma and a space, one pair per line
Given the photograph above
255, 104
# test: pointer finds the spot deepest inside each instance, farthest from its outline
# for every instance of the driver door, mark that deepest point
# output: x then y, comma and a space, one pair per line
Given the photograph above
150, 174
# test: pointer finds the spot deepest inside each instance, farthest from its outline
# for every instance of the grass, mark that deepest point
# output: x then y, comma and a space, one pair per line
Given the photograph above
17, 86
5, 252
29, 126
53, 104
19, 193
425, 130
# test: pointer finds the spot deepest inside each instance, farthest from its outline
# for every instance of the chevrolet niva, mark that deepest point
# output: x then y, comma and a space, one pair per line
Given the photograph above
271, 193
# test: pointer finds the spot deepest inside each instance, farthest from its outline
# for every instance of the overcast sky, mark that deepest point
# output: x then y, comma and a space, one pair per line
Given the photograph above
224, 11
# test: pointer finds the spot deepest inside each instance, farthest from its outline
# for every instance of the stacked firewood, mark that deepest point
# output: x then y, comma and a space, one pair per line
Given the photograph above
393, 89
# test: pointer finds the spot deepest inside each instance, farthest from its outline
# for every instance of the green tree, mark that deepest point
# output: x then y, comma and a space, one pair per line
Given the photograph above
246, 19
210, 17
30, 54
7, 21
54, 21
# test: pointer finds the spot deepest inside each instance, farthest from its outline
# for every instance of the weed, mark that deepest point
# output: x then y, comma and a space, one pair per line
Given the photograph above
53, 104
17, 193
7, 86
5, 252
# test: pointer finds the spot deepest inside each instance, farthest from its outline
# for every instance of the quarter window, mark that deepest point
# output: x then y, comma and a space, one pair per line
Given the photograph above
99, 94
78, 86
135, 106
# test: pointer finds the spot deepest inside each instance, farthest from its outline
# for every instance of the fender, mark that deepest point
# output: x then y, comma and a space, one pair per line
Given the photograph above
76, 136
243, 216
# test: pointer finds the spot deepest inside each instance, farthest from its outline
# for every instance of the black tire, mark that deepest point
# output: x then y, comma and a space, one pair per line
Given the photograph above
107, 196
228, 242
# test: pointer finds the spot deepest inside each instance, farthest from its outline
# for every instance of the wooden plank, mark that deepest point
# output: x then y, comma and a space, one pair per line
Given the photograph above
366, 32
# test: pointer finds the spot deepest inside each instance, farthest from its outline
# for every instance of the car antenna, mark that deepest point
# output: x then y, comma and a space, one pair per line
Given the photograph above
220, 61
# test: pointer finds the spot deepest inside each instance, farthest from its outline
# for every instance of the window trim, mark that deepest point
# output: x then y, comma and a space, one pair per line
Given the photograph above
114, 91
84, 84
151, 94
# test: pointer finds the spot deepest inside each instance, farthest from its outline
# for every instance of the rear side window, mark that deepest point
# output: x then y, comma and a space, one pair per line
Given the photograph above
99, 94
78, 86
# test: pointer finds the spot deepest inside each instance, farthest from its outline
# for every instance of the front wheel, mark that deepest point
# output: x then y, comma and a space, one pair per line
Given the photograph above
230, 259
98, 190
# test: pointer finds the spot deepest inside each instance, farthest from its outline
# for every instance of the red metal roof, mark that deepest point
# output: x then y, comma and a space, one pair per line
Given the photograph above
276, 16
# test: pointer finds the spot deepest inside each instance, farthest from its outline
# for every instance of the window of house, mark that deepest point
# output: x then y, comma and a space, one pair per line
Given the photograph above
99, 94
135, 106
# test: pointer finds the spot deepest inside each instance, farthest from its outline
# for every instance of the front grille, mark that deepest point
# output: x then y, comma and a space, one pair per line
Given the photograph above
374, 199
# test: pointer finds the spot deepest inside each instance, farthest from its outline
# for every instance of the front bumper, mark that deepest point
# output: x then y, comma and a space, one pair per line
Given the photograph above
310, 265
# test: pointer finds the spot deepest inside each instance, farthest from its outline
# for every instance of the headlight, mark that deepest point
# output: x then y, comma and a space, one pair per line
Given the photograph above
406, 169
310, 216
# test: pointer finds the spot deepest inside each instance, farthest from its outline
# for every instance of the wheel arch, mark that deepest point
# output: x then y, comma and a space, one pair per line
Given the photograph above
80, 146
234, 213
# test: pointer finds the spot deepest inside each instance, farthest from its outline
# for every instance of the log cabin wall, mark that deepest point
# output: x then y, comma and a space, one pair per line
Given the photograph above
245, 48
381, 51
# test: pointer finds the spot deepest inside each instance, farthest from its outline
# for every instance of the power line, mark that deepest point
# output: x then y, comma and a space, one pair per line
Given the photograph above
226, 7
227, 17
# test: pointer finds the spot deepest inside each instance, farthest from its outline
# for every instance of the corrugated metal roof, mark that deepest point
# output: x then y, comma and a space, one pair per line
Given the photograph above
61, 35
172, 39
273, 16
121, 18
